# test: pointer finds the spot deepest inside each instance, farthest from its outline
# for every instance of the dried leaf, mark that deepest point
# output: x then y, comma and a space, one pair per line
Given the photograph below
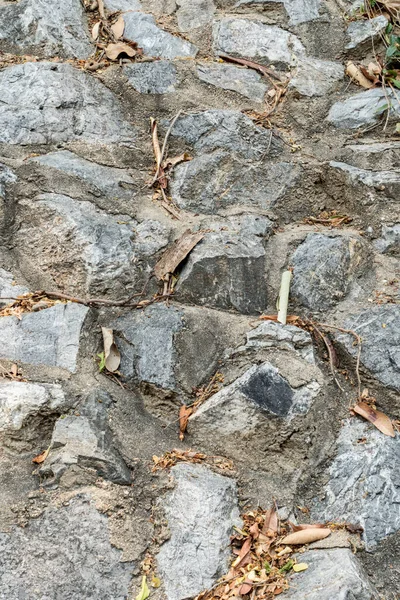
172, 162
355, 73
303, 526
306, 536
101, 8
243, 554
271, 522
391, 4
112, 356
14, 370
300, 567
377, 418
245, 588
96, 30
118, 27
40, 458
184, 414
155, 582
113, 51
144, 590
176, 253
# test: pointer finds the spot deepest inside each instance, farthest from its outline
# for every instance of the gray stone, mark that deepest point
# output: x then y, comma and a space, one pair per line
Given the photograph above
364, 108
99, 180
331, 575
142, 28
299, 11
150, 237
157, 77
66, 554
47, 28
49, 337
372, 155
44, 103
192, 14
85, 441
8, 289
379, 329
225, 270
245, 82
271, 334
364, 484
315, 77
260, 394
389, 181
324, 267
201, 512
252, 39
113, 5
362, 31
6, 176
389, 243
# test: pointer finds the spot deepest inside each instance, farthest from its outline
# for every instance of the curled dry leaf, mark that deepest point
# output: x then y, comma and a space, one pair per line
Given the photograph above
271, 522
176, 253
118, 27
303, 526
40, 458
112, 355
184, 414
306, 536
355, 73
113, 51
240, 561
377, 418
96, 30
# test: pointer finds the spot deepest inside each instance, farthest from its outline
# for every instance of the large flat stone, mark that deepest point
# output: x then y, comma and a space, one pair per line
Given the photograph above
44, 103
253, 39
364, 484
271, 334
192, 14
245, 82
368, 30
158, 77
299, 11
313, 77
201, 512
46, 28
362, 109
8, 288
331, 575
142, 28
49, 337
66, 554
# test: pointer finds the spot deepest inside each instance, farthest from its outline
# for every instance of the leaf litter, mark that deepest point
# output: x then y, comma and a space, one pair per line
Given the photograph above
170, 459
30, 302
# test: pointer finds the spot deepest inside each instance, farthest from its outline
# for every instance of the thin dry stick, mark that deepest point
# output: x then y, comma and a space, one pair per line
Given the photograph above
330, 354
164, 146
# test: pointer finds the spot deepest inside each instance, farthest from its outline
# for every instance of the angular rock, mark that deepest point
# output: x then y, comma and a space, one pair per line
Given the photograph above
364, 108
66, 554
260, 394
113, 5
47, 28
49, 337
159, 77
201, 512
98, 180
315, 77
44, 103
331, 574
6, 176
150, 237
299, 11
364, 484
142, 28
379, 180
192, 14
364, 31
7, 289
252, 39
380, 350
245, 82
372, 155
389, 243
85, 441
324, 267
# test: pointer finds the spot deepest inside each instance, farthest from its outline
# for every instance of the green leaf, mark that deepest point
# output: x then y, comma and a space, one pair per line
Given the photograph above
391, 51
102, 362
389, 28
144, 590
396, 83
267, 567
287, 567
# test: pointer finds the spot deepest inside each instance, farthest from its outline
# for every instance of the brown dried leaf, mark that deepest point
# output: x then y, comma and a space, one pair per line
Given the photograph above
240, 561
118, 27
306, 536
101, 8
96, 30
377, 418
176, 253
271, 522
111, 353
184, 414
355, 73
40, 458
245, 588
172, 162
113, 51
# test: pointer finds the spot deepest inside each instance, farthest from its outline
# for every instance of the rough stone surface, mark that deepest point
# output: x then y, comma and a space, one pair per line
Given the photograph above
362, 109
364, 486
389, 243
380, 351
331, 574
192, 14
65, 554
45, 27
46, 103
363, 31
271, 334
113, 5
252, 39
48, 337
246, 82
159, 77
261, 393
389, 181
192, 559
6, 176
8, 288
323, 269
142, 28
299, 11
315, 77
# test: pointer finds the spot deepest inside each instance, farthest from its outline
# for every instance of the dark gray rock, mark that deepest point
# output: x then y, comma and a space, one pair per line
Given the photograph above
299, 11
387, 181
271, 334
45, 103
253, 39
49, 337
260, 394
245, 82
324, 267
99, 180
66, 554
8, 288
364, 484
45, 28
192, 14
315, 77
372, 155
142, 28
364, 31
389, 243
158, 77
201, 512
85, 441
150, 237
379, 329
331, 574
6, 176
363, 109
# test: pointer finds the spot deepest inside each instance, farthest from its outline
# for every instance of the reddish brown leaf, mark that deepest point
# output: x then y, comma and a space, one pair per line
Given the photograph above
184, 414
254, 530
271, 522
243, 554
306, 536
245, 588
377, 418
41, 457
